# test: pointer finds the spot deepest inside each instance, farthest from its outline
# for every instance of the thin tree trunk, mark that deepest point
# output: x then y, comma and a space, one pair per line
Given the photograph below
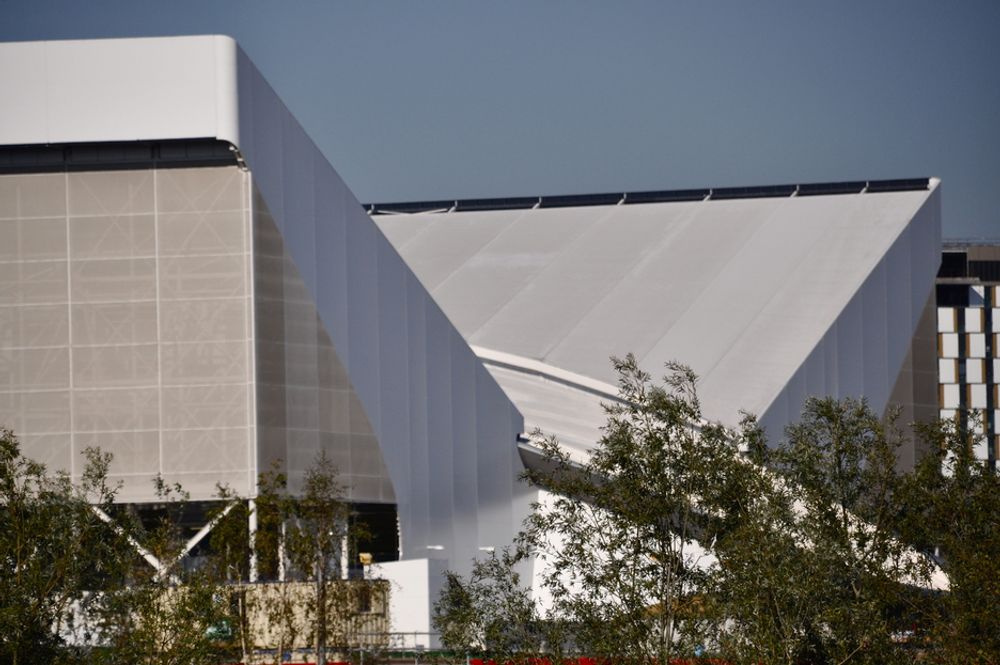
320, 613
244, 624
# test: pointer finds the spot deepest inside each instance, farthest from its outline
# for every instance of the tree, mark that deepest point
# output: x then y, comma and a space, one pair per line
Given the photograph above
616, 537
229, 564
317, 541
53, 551
951, 509
813, 568
85, 579
678, 537
307, 536
759, 606
492, 613
164, 614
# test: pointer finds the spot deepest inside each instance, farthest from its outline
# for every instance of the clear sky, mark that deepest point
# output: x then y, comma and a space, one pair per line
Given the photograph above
434, 99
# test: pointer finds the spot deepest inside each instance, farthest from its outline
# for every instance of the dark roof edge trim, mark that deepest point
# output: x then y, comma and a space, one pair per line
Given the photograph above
654, 196
55, 158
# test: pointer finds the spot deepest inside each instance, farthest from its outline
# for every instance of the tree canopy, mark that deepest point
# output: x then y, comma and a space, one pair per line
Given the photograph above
84, 579
679, 538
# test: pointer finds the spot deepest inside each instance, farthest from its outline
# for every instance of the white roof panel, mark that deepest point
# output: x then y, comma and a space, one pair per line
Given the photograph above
742, 290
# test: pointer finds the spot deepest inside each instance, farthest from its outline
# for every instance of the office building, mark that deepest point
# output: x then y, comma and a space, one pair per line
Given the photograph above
968, 324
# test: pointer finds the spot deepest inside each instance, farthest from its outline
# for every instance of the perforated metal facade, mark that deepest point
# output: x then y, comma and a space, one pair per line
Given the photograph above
127, 322
155, 314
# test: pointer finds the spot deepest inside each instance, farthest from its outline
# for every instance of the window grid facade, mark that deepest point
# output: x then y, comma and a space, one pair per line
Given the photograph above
968, 326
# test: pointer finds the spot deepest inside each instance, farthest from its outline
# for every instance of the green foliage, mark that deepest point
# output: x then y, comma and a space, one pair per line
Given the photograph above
53, 550
760, 603
617, 539
86, 580
229, 566
492, 613
166, 615
951, 507
815, 543
616, 536
812, 569
306, 536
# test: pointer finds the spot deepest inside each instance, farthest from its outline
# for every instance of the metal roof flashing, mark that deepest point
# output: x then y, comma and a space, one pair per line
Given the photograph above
654, 196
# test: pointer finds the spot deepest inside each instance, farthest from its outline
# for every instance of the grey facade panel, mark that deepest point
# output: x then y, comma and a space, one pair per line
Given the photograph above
306, 403
131, 331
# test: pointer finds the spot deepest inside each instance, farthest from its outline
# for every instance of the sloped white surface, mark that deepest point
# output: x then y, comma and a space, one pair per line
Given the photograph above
744, 291
446, 430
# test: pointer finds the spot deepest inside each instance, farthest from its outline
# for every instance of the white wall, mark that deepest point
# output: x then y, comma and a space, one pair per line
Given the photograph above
414, 586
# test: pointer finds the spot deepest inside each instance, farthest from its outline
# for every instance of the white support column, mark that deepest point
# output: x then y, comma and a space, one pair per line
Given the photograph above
282, 566
195, 539
163, 568
344, 560
252, 533
146, 554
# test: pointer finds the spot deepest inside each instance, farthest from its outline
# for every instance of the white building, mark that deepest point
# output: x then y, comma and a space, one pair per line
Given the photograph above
186, 282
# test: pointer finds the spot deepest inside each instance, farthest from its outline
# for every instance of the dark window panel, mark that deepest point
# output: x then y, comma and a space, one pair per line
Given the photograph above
953, 264
987, 271
953, 295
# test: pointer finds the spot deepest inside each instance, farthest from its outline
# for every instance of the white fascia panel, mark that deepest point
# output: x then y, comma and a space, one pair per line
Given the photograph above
947, 371
976, 345
974, 370
119, 90
24, 109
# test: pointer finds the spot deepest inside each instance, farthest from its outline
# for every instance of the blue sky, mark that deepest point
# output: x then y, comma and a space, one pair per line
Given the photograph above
433, 99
